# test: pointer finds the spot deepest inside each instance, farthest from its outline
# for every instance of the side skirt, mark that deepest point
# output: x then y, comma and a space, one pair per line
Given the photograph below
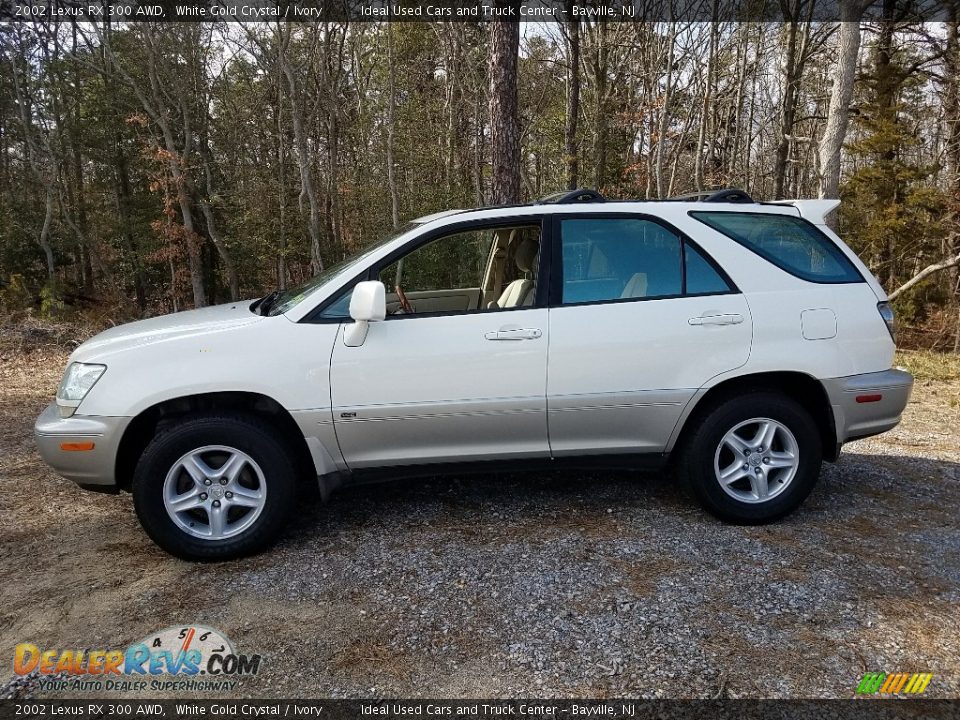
363, 476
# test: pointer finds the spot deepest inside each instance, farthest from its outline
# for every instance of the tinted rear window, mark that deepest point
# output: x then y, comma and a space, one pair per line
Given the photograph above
790, 243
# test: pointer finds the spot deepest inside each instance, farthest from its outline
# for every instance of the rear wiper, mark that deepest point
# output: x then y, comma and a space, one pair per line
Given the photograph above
266, 302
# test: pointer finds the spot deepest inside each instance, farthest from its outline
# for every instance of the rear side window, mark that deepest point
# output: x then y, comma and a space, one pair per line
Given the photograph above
609, 259
790, 243
619, 259
702, 277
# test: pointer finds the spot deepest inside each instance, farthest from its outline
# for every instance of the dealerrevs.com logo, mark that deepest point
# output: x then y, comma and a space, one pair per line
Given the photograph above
178, 658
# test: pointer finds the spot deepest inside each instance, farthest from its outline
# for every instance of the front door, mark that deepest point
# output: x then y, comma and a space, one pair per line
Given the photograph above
457, 371
640, 319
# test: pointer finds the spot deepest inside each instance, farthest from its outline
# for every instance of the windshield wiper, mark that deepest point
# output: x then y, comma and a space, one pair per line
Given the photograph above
266, 302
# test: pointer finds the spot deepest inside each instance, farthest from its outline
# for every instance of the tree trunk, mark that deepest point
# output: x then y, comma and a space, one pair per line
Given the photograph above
951, 111
391, 122
124, 203
282, 270
39, 166
788, 110
600, 66
573, 100
77, 169
44, 239
232, 279
946, 264
887, 87
176, 161
663, 128
504, 113
307, 192
216, 238
479, 149
835, 130
705, 108
452, 43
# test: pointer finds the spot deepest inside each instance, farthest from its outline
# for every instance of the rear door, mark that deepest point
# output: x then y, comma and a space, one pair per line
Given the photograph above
640, 318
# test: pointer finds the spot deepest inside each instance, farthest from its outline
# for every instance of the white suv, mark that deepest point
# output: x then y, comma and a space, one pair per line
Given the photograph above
743, 340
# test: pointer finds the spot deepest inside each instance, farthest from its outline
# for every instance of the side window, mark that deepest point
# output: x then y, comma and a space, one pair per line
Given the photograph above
339, 309
449, 263
482, 269
702, 277
618, 258
790, 243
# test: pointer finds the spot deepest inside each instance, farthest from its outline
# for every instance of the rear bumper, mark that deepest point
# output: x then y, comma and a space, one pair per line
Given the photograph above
869, 404
93, 469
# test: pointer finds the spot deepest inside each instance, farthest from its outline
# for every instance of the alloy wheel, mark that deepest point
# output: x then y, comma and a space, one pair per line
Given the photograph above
756, 460
214, 492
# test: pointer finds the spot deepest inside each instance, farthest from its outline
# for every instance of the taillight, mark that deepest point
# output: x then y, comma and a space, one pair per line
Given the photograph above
886, 312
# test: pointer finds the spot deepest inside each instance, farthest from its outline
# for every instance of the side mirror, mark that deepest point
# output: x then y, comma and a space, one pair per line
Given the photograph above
368, 304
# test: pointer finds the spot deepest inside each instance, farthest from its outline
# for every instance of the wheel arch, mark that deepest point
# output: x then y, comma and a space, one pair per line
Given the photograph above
798, 386
144, 426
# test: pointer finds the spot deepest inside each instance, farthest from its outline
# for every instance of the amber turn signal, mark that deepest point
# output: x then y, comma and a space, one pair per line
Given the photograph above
76, 446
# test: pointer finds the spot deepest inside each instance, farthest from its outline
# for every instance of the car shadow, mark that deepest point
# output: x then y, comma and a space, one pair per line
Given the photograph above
887, 486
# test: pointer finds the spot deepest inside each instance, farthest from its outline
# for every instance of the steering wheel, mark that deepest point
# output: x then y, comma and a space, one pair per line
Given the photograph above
404, 303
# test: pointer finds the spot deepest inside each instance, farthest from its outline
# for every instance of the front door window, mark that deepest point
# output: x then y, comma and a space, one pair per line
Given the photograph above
474, 270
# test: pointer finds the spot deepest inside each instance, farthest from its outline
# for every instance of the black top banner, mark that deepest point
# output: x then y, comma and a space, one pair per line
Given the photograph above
53, 11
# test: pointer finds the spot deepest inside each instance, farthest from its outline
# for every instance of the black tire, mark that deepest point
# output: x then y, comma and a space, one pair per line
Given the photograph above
699, 452
246, 433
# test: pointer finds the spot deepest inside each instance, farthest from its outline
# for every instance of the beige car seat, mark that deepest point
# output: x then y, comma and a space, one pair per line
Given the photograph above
520, 293
636, 286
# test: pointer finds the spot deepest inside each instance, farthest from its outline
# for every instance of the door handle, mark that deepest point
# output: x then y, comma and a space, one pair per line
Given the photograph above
730, 319
514, 334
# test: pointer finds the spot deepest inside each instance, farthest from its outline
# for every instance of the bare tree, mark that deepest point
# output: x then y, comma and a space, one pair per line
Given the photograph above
797, 14
835, 130
504, 113
39, 150
293, 74
703, 131
571, 148
663, 126
159, 102
391, 128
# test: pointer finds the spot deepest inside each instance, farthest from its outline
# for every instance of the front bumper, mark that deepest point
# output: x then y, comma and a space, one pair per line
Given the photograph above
869, 404
93, 469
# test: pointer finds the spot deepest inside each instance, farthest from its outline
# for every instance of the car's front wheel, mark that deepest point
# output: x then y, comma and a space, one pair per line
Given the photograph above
753, 459
215, 487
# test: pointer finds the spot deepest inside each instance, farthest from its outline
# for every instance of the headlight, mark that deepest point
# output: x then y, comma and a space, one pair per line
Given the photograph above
76, 383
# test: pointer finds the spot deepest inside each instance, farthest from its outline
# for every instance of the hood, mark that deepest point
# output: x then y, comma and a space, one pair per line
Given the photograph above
176, 326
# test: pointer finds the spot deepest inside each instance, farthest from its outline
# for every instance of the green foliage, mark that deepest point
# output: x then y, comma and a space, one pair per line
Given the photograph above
15, 296
51, 305
893, 212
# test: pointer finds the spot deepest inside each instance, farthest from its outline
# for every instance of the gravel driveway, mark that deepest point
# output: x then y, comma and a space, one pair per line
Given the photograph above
580, 584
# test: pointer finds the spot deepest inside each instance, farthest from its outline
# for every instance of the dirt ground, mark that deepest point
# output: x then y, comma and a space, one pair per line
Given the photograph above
587, 584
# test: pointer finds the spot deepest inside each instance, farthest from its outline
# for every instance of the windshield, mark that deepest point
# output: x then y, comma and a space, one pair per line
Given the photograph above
288, 299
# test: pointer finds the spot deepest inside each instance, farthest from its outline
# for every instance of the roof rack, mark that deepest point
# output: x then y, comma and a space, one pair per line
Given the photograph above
565, 197
727, 195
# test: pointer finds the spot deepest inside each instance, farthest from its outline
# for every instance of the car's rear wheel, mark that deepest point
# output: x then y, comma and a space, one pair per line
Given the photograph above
215, 487
752, 459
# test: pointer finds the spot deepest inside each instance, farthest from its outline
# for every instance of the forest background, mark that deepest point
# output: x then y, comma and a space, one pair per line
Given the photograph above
152, 167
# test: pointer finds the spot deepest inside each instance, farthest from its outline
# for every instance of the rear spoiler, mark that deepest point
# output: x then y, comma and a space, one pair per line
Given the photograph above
815, 211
